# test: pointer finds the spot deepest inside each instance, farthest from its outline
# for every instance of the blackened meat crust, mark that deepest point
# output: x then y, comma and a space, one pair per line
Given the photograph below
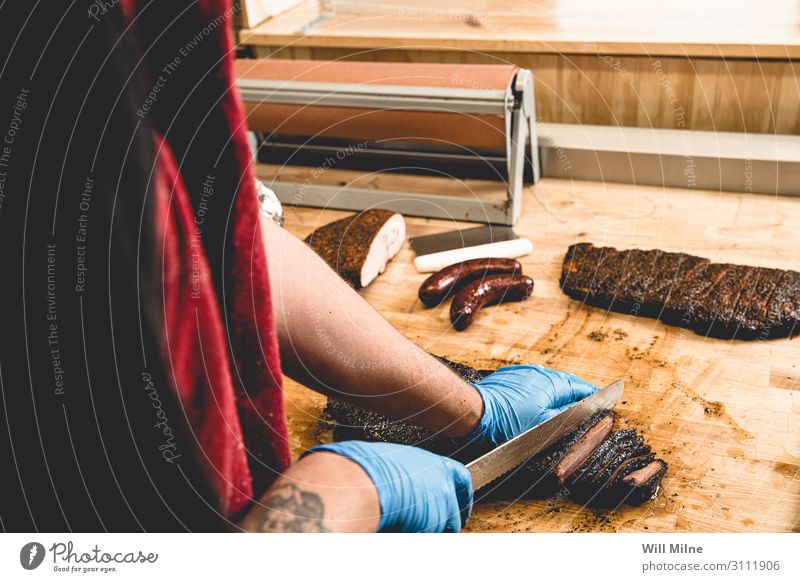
355, 423
712, 299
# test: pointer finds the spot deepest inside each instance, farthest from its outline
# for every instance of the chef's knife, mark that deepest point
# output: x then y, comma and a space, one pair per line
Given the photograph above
513, 453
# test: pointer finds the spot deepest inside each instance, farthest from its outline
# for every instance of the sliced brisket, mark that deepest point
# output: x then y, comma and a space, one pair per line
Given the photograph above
548, 471
593, 464
636, 487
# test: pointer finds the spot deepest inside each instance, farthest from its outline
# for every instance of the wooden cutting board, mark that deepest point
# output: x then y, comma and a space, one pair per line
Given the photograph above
725, 415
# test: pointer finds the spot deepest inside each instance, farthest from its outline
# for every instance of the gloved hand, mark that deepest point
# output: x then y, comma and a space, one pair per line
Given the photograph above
517, 398
418, 491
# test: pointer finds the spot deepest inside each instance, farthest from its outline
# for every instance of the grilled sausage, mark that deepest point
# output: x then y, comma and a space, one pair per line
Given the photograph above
487, 291
449, 280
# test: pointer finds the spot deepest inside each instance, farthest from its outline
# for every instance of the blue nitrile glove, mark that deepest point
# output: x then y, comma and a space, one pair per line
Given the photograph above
517, 398
418, 491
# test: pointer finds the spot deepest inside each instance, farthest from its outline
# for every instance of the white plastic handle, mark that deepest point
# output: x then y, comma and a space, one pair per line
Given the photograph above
507, 249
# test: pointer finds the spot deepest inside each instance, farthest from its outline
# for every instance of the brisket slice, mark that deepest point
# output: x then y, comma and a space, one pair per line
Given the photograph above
714, 299
590, 463
613, 451
637, 486
639, 460
600, 458
547, 472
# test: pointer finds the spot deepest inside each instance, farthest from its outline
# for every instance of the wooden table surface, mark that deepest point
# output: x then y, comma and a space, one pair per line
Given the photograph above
724, 414
711, 28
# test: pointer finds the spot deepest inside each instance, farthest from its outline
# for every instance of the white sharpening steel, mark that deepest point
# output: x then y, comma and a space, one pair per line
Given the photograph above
507, 249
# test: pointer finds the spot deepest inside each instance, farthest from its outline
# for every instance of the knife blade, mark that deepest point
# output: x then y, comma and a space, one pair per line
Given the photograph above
457, 239
513, 453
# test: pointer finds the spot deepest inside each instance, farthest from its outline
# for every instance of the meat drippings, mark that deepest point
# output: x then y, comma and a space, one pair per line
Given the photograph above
584, 448
643, 475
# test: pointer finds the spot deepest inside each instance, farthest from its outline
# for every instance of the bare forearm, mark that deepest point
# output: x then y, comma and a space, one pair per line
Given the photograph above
333, 341
323, 492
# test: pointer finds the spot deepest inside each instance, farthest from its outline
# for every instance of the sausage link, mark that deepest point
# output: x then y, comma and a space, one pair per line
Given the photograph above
492, 289
449, 280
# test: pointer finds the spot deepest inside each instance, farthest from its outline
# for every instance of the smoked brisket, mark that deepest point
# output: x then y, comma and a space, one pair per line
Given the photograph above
593, 464
712, 299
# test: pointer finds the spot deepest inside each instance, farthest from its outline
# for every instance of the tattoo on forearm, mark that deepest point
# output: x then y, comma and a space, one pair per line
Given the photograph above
290, 509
